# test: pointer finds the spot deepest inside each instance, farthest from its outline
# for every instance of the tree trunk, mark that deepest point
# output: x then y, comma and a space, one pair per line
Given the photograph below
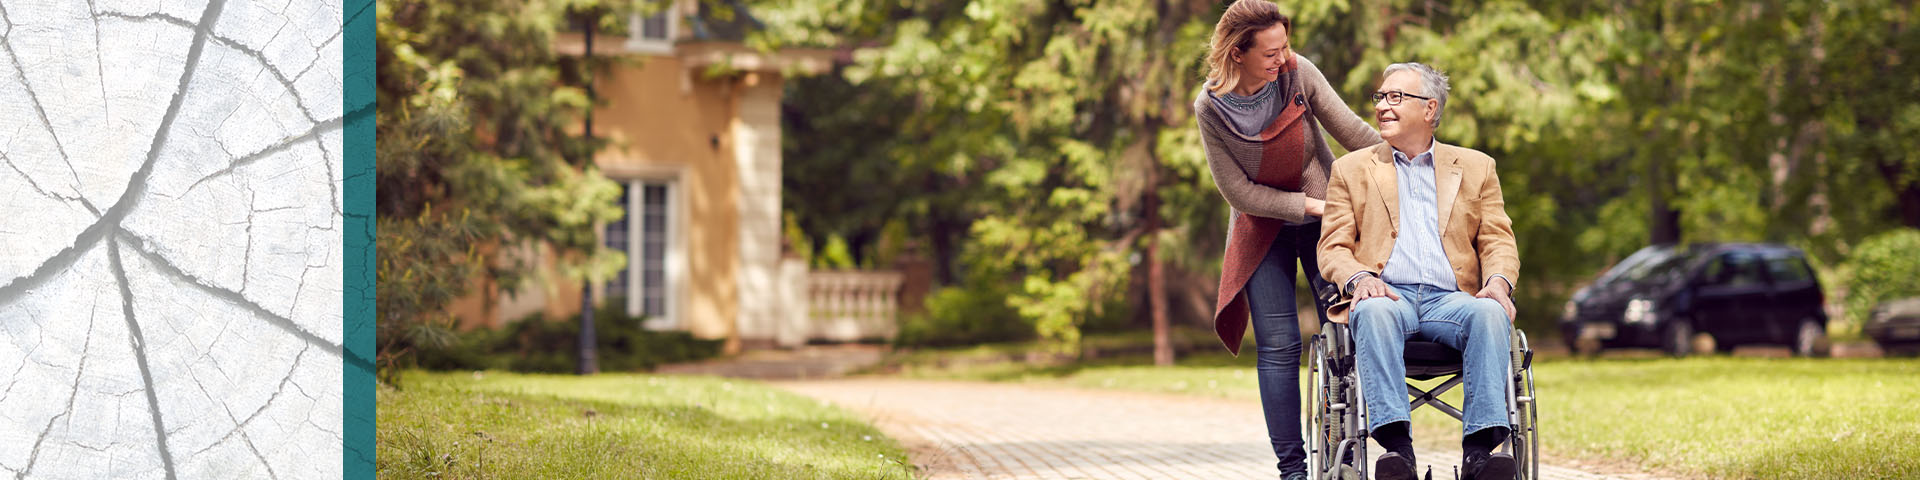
589, 356
1906, 198
1156, 280
1664, 224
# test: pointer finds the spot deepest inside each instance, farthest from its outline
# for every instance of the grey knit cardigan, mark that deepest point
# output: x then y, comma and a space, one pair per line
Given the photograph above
1234, 157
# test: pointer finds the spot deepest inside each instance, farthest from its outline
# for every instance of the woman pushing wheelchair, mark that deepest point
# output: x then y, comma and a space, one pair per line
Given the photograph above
1261, 117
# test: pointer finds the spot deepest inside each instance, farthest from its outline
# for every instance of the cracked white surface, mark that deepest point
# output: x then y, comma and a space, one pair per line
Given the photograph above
170, 247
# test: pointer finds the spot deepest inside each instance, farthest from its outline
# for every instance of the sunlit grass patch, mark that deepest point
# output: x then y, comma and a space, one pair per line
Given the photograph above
500, 425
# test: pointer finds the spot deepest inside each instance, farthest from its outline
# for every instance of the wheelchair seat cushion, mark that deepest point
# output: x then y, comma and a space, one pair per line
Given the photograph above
1429, 359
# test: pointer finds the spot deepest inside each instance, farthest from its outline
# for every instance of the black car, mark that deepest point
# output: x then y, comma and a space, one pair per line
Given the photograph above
1739, 294
1895, 325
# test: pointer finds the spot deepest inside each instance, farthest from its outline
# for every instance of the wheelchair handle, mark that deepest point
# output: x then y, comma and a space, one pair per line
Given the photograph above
1327, 293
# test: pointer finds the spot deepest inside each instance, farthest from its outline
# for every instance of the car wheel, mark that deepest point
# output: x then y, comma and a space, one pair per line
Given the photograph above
1708, 343
1811, 341
1678, 338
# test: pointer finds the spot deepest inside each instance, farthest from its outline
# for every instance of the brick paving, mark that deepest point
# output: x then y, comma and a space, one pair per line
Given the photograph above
967, 430
810, 362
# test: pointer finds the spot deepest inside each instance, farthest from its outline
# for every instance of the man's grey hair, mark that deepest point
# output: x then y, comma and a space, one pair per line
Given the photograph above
1434, 82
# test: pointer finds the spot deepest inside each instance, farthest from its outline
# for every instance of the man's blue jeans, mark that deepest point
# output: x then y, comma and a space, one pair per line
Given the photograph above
1477, 327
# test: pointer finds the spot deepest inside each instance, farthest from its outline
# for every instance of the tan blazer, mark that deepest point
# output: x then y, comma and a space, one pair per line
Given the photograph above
1363, 216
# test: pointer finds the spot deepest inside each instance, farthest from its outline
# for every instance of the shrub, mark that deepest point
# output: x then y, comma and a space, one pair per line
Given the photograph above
1884, 267
963, 315
537, 344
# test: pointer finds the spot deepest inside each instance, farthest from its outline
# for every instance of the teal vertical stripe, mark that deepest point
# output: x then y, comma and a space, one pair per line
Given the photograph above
358, 286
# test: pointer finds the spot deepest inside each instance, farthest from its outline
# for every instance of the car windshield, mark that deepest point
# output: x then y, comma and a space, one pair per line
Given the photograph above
1659, 270
1641, 264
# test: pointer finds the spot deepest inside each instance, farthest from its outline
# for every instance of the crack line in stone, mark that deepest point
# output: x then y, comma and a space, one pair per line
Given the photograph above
15, 378
256, 454
108, 226
156, 16
246, 261
284, 145
139, 344
167, 267
71, 395
319, 48
333, 185
43, 191
236, 45
240, 425
27, 85
277, 75
298, 289
136, 184
99, 66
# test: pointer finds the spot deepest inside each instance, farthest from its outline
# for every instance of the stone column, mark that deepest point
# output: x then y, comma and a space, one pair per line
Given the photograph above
756, 133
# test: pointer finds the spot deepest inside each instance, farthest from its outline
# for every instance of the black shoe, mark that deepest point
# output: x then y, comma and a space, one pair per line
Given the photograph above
1392, 466
1496, 466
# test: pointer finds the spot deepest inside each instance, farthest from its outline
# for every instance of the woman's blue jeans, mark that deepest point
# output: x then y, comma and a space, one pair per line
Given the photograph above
1276, 336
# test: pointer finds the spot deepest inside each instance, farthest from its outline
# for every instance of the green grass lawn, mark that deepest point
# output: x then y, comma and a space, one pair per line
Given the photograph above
1726, 417
503, 425
1739, 417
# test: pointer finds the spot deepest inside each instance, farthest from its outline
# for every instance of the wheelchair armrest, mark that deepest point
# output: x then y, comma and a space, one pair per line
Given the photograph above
1328, 294
1333, 304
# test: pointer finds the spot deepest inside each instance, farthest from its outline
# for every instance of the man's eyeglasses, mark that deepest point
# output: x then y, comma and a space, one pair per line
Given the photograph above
1393, 97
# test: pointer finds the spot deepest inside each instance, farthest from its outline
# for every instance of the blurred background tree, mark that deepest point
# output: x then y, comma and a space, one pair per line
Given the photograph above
481, 150
1045, 150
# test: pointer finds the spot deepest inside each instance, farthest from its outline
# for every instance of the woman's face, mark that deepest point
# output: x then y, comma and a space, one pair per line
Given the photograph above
1271, 49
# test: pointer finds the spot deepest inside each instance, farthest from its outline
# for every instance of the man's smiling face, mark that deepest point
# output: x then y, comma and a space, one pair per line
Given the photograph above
1413, 117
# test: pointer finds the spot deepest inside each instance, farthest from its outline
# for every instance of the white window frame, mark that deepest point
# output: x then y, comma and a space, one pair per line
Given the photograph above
638, 43
675, 258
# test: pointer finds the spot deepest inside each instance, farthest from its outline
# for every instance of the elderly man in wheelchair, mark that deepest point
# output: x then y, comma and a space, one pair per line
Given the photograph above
1417, 233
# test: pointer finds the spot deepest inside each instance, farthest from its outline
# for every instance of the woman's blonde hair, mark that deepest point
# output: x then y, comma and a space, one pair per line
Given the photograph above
1235, 31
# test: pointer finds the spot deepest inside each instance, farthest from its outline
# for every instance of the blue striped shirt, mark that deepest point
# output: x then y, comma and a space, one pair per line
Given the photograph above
1417, 256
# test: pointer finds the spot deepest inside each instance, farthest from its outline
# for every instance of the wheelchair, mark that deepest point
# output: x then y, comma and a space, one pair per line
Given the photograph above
1335, 425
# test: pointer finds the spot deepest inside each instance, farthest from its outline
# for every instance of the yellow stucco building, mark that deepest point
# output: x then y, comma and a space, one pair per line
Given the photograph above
694, 126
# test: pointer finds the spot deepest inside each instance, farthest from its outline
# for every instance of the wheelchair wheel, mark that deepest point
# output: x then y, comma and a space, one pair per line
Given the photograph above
1329, 424
1533, 430
1526, 433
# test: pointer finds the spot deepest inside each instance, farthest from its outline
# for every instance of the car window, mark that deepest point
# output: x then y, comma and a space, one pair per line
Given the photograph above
1638, 265
1662, 270
1715, 273
1788, 269
1743, 270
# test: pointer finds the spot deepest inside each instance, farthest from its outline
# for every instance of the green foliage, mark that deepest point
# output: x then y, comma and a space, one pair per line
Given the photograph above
834, 254
964, 315
892, 243
477, 155
1882, 268
1027, 132
538, 345
796, 239
1042, 137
